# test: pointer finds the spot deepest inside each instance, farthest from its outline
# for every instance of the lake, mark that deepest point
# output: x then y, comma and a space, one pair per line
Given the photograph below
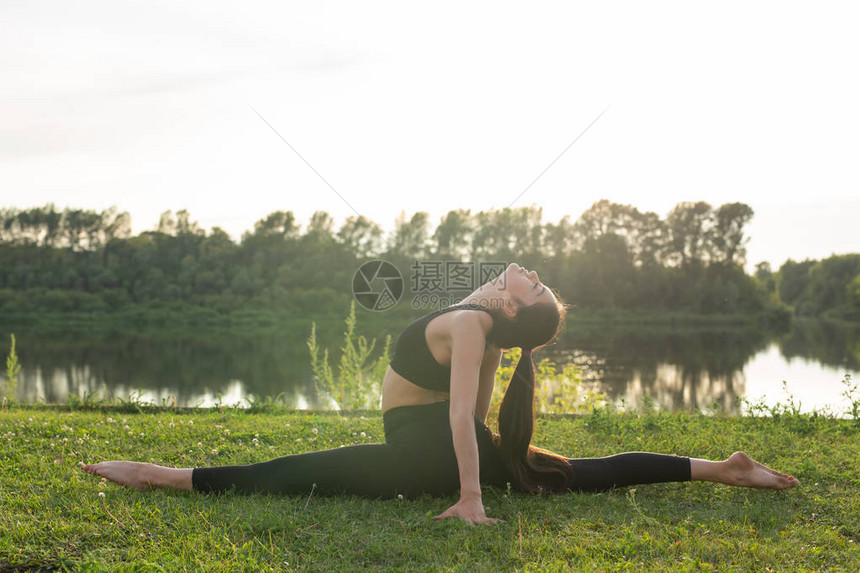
676, 368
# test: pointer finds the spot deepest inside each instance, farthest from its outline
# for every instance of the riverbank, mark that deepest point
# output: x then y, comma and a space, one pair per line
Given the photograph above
55, 516
774, 320
177, 316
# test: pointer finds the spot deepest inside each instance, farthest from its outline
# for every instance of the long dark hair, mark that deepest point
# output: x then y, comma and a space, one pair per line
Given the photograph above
532, 469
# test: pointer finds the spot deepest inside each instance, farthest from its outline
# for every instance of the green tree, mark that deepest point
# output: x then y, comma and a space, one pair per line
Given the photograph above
603, 274
726, 237
828, 284
559, 239
852, 297
278, 226
411, 236
362, 236
453, 236
765, 276
793, 281
644, 234
689, 227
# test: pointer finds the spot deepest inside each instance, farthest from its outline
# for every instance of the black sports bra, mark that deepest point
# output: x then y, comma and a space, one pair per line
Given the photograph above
412, 357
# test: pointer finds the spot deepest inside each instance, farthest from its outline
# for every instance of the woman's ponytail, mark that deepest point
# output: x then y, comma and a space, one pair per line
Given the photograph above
532, 469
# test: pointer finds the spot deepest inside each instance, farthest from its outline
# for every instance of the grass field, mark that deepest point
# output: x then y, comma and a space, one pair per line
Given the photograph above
53, 516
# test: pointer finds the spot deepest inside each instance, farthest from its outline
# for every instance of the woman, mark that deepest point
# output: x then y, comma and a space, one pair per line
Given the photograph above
435, 398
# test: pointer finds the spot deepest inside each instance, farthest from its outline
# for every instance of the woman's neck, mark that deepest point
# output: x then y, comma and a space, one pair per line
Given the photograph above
489, 295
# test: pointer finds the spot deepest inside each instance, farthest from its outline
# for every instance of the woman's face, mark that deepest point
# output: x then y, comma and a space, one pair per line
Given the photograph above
524, 286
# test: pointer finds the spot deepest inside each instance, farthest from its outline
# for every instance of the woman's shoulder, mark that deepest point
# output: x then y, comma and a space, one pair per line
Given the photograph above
463, 319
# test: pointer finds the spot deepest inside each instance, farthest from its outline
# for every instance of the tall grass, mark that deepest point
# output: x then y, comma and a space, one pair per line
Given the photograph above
12, 370
852, 393
558, 390
358, 382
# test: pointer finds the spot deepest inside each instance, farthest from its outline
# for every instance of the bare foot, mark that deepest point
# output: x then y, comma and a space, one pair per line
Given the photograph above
746, 472
129, 474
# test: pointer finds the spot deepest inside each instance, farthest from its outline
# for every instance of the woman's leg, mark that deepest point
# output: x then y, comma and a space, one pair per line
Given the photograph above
417, 458
374, 470
633, 468
370, 470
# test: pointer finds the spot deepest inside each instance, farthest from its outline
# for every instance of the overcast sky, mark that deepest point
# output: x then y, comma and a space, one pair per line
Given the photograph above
151, 106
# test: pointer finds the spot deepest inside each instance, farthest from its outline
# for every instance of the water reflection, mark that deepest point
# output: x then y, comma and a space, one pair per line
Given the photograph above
666, 385
707, 369
830, 343
190, 371
678, 369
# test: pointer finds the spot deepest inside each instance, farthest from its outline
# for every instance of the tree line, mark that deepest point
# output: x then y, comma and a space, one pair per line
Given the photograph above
612, 257
829, 287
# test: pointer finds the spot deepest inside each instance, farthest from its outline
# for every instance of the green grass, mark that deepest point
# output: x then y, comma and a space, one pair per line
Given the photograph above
52, 515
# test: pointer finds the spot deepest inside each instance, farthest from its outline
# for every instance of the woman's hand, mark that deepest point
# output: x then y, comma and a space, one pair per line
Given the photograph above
469, 510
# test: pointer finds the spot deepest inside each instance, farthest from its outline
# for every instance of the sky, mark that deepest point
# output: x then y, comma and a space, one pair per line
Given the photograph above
233, 110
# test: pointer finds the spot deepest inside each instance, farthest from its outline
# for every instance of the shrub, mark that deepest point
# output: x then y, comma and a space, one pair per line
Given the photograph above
358, 383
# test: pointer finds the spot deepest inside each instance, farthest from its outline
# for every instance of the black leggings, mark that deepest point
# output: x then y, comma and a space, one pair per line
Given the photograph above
416, 458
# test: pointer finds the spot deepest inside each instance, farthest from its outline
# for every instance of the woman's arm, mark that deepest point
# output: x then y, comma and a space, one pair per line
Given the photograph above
467, 350
487, 381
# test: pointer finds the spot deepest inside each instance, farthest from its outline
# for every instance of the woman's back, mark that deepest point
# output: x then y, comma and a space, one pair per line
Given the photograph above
420, 372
